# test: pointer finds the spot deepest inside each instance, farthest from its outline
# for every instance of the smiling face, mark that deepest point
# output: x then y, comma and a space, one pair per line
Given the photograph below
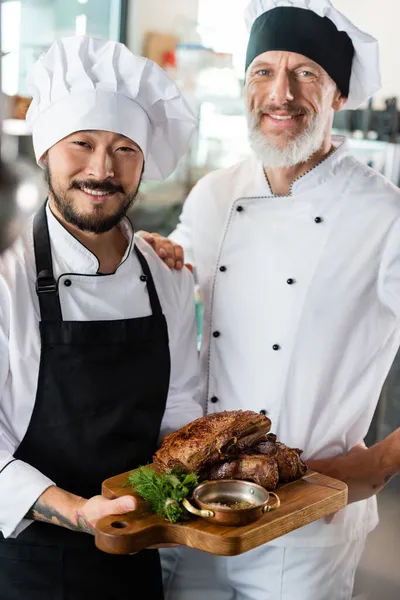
290, 103
93, 178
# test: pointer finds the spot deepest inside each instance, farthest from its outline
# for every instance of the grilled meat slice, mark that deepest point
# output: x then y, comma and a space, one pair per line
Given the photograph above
260, 469
265, 448
248, 441
204, 441
290, 465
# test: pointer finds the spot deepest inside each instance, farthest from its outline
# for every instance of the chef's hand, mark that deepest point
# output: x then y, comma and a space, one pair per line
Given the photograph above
366, 471
172, 254
88, 512
59, 507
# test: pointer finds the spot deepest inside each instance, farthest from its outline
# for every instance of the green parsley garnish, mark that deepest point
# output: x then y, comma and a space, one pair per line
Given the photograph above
165, 491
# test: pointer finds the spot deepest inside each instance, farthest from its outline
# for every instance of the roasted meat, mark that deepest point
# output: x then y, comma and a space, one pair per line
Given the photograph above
289, 462
210, 439
266, 447
260, 469
231, 445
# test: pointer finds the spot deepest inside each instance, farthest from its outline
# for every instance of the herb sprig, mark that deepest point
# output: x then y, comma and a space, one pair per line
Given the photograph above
164, 491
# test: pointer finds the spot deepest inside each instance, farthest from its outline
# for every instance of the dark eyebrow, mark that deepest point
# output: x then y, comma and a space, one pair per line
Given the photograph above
120, 136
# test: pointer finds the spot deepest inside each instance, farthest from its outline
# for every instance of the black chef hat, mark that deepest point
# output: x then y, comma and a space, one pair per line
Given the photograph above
304, 32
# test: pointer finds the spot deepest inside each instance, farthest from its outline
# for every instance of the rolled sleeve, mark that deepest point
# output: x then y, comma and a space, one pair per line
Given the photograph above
20, 487
20, 483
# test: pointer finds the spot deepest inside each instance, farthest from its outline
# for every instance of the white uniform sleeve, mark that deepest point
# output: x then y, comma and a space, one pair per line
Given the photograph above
389, 275
20, 484
182, 405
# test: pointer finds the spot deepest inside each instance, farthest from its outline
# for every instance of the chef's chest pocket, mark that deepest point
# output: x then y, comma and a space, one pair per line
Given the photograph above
22, 568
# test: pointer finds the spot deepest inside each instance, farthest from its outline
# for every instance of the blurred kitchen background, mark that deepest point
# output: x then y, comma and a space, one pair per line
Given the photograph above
201, 43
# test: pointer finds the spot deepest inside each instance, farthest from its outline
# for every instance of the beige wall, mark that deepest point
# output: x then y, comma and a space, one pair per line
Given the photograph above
167, 16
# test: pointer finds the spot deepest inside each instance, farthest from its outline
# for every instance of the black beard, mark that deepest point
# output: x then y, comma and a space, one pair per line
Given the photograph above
90, 223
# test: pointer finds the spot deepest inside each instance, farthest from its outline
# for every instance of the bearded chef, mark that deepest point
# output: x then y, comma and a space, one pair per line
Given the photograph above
297, 254
97, 335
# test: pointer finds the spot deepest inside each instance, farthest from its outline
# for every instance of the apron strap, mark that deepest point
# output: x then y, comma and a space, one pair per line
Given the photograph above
151, 288
46, 285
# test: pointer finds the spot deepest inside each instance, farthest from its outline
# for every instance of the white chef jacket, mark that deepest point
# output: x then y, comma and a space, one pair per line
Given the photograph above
302, 306
121, 295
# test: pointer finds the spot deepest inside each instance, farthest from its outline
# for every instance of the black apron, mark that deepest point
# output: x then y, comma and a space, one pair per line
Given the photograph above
100, 399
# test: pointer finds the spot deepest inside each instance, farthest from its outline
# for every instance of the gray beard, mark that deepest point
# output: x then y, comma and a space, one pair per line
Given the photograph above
297, 150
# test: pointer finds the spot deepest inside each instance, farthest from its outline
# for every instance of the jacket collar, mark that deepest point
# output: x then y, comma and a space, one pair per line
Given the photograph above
71, 255
313, 178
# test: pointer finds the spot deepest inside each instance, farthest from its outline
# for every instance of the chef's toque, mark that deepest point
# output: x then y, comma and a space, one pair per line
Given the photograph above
84, 83
315, 29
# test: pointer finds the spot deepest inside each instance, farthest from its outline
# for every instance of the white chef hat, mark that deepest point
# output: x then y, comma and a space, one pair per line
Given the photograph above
87, 83
293, 31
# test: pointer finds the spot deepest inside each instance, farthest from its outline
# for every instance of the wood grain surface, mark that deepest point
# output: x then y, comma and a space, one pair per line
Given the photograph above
302, 502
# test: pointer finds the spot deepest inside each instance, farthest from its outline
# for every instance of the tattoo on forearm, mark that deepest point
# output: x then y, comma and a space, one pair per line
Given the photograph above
41, 511
84, 525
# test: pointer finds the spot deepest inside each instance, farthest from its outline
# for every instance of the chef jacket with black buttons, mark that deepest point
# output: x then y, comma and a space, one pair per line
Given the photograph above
303, 321
84, 296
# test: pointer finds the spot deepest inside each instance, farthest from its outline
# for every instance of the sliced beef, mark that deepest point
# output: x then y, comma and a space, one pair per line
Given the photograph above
260, 469
290, 465
266, 448
248, 441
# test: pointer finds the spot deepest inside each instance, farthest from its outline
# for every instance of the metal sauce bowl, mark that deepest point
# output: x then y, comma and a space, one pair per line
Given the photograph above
229, 491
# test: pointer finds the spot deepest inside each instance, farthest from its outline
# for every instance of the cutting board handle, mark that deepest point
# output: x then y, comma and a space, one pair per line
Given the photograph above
134, 531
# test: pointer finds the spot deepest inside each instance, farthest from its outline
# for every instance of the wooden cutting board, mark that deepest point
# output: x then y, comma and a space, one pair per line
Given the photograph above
302, 502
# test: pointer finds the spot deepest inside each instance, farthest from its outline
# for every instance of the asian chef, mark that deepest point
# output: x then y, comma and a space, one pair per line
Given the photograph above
297, 253
97, 335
